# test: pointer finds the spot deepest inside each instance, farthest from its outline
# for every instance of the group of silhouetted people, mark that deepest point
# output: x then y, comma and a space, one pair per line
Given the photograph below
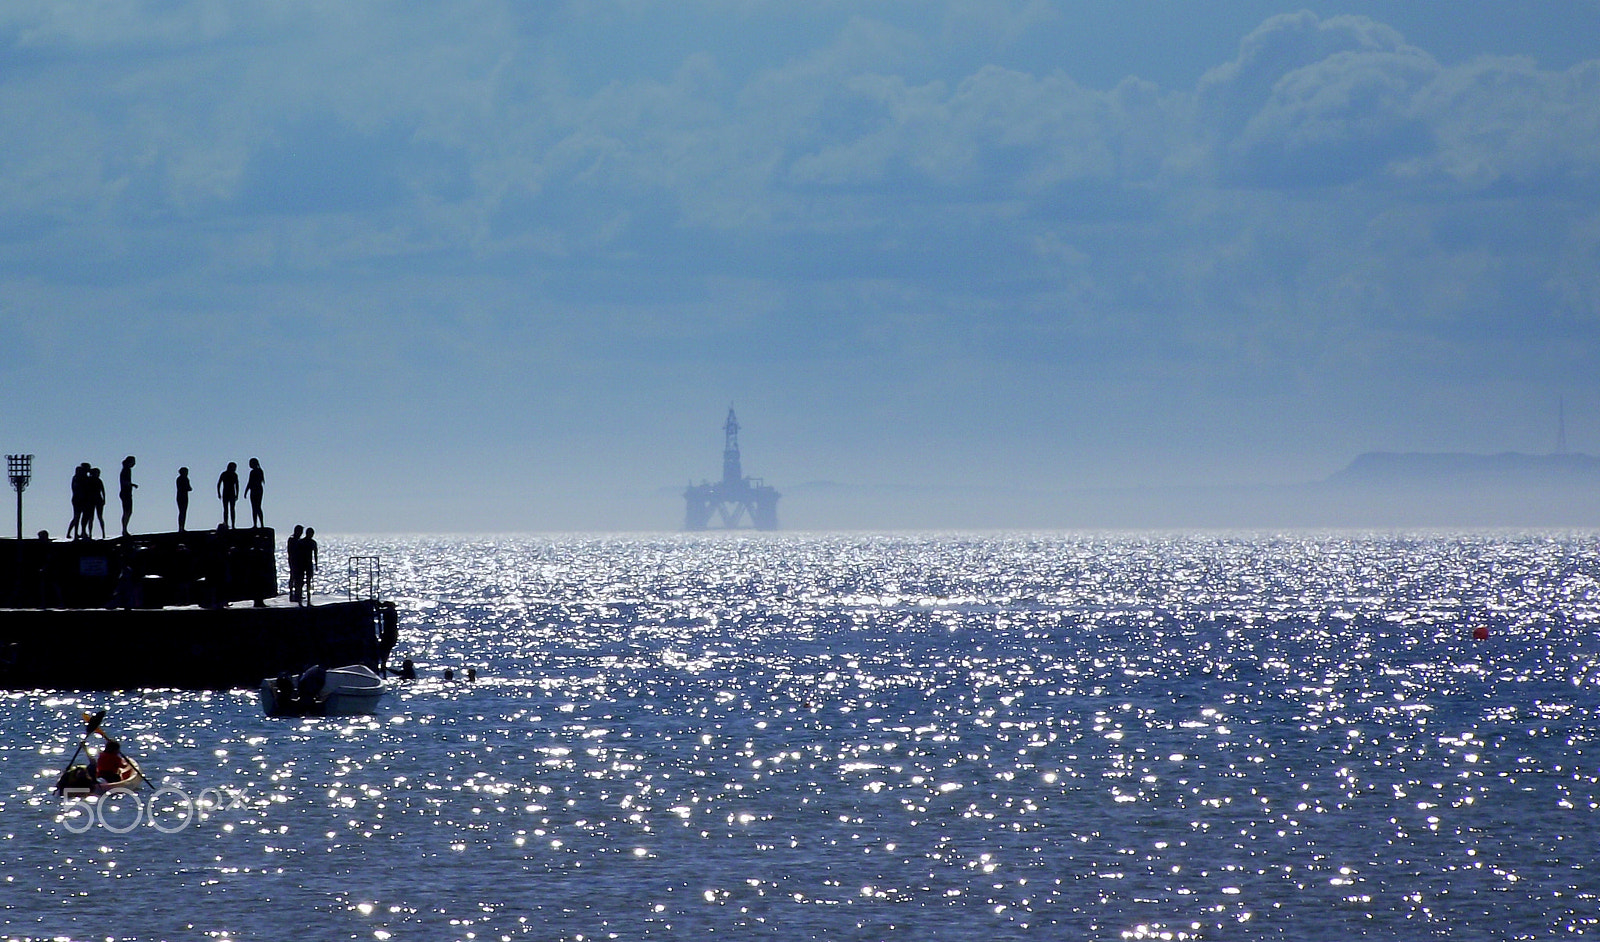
228, 491
302, 553
89, 497
89, 500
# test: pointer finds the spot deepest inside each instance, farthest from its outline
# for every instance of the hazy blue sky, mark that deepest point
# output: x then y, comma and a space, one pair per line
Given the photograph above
470, 266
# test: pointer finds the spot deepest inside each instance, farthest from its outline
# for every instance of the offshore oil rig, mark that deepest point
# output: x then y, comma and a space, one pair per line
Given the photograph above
735, 497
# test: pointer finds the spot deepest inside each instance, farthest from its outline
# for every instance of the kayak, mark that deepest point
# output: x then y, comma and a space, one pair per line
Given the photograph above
81, 780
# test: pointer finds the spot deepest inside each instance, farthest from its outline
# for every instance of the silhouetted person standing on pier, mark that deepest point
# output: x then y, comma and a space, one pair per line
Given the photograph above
82, 507
184, 487
97, 496
308, 560
296, 566
253, 489
125, 488
228, 490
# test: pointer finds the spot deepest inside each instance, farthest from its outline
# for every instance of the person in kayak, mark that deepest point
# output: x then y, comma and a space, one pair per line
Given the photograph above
108, 767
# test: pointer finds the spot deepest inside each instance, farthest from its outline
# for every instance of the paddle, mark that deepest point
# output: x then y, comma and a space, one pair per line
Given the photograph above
139, 772
93, 723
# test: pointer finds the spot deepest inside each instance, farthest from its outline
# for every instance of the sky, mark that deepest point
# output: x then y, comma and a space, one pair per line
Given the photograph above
504, 266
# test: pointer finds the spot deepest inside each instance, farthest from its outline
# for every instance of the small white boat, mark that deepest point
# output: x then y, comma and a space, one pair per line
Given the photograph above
353, 690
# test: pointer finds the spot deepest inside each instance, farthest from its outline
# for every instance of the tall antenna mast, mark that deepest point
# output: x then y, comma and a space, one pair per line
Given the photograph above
732, 474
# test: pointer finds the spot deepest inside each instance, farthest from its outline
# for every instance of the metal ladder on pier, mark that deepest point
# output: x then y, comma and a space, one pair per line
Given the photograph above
364, 583
363, 578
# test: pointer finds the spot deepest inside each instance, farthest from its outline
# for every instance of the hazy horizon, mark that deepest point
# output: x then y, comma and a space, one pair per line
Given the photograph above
1461, 502
503, 267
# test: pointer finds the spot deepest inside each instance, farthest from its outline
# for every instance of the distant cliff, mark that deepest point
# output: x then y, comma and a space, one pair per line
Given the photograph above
1456, 470
1376, 490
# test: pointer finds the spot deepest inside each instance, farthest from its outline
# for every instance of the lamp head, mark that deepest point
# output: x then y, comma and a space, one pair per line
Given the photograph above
20, 468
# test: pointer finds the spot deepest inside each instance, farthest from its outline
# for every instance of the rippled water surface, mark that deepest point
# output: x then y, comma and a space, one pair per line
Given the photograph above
857, 737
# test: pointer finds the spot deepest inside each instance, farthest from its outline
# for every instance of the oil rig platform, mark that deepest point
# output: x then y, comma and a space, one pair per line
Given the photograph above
735, 498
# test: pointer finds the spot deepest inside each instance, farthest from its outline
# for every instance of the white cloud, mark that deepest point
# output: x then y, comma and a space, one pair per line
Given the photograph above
108, 26
1230, 93
1504, 121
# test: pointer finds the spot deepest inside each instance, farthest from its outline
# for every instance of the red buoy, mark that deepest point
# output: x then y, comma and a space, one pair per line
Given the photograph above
1480, 633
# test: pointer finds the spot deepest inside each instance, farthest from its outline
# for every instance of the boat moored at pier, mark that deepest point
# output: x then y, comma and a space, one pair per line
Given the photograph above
353, 690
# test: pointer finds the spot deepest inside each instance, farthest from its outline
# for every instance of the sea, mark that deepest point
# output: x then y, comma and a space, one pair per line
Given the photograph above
928, 736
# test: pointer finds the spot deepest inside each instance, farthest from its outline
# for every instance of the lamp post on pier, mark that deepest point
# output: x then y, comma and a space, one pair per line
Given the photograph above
21, 469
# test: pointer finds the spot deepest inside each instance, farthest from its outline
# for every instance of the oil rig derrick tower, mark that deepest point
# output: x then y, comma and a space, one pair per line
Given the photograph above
735, 498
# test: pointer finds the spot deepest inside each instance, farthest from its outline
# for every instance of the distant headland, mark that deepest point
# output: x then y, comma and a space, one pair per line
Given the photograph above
1376, 489
1464, 470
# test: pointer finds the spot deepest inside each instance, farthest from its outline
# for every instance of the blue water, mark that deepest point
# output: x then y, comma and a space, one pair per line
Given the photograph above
867, 737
